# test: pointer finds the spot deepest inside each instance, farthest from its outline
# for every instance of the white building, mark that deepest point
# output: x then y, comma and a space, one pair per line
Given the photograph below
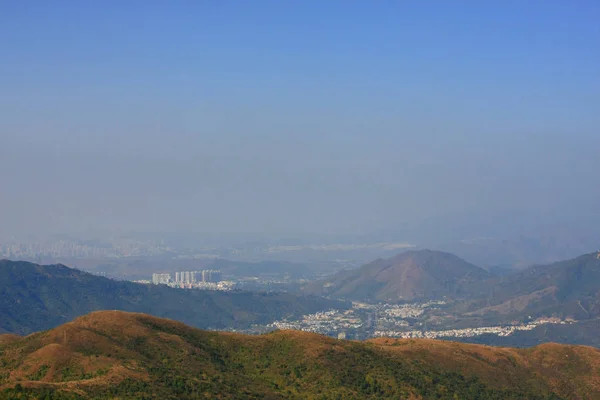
161, 279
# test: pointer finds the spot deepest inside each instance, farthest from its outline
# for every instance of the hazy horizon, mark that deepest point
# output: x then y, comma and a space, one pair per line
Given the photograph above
299, 118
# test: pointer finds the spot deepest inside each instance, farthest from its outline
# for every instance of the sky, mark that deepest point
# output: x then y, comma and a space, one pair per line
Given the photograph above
307, 117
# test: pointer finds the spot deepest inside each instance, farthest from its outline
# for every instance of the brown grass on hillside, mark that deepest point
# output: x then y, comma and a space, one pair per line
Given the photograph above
104, 348
79, 354
8, 338
564, 368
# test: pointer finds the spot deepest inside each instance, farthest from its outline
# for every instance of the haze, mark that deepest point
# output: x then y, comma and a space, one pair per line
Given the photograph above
349, 117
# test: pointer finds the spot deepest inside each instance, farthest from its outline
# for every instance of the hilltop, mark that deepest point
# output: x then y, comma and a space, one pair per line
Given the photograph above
112, 354
422, 274
35, 297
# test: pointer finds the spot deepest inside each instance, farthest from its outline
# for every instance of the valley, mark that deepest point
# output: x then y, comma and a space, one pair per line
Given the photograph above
428, 294
414, 320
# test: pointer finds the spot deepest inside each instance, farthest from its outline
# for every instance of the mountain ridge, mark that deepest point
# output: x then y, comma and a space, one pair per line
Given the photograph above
565, 289
115, 354
34, 297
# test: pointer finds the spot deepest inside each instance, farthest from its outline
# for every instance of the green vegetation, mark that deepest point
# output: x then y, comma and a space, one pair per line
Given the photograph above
109, 355
39, 374
4, 377
21, 393
34, 298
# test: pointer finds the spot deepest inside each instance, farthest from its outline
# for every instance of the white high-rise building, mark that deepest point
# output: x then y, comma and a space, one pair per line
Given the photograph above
209, 275
161, 279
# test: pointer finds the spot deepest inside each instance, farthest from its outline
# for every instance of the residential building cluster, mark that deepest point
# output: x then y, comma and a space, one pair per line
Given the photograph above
411, 310
161, 279
188, 279
399, 315
325, 322
467, 332
207, 275
361, 317
365, 320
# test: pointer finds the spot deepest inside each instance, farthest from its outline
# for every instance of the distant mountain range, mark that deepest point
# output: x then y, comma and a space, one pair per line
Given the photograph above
109, 354
35, 297
566, 289
412, 275
511, 239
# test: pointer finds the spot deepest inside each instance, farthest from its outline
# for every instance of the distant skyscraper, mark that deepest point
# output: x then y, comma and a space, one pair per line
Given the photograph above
209, 275
161, 279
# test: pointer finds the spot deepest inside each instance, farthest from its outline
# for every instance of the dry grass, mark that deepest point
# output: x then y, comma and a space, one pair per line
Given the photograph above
8, 338
99, 350
564, 368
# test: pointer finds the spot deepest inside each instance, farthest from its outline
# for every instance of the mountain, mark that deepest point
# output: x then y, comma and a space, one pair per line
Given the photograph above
113, 354
35, 297
566, 289
512, 239
422, 274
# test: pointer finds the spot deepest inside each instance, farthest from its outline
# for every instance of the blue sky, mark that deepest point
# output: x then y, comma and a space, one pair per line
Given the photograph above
338, 116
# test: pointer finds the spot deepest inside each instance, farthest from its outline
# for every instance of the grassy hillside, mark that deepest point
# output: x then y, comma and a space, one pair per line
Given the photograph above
135, 356
34, 298
412, 275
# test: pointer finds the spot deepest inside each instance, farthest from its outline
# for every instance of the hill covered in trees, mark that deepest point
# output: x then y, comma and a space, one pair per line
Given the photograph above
35, 297
113, 354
